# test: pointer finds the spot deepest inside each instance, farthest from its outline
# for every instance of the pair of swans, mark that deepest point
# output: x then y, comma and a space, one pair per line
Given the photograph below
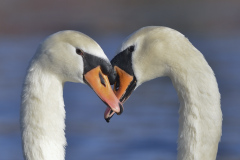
148, 53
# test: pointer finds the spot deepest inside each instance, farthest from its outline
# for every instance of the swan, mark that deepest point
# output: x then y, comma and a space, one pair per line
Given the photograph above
156, 51
64, 56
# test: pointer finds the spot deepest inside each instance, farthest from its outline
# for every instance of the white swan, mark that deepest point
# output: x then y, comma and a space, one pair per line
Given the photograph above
153, 52
64, 56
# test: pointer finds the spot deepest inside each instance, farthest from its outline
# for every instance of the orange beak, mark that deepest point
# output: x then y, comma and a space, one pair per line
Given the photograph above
124, 80
101, 86
123, 87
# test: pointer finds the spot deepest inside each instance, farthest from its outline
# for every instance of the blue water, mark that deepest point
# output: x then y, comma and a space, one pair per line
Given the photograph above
148, 127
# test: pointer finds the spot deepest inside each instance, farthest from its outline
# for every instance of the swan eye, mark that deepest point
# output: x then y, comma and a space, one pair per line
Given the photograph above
131, 48
79, 51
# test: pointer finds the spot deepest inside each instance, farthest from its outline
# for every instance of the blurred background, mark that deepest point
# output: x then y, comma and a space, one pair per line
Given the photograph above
148, 127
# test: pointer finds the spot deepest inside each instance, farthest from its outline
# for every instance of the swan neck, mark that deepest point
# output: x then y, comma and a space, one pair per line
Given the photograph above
43, 116
200, 119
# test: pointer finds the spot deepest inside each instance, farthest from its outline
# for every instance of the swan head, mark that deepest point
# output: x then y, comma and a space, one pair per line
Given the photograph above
75, 57
146, 54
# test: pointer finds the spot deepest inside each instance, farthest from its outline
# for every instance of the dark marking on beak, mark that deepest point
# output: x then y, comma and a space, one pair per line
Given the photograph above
129, 90
117, 83
101, 79
108, 119
121, 108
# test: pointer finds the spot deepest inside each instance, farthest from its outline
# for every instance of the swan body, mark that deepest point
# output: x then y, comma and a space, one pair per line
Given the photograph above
64, 56
153, 52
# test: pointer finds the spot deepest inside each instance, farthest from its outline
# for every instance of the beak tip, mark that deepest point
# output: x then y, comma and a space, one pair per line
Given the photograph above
121, 109
107, 120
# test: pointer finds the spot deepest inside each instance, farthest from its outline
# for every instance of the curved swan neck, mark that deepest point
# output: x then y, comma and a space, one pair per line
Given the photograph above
43, 116
161, 51
200, 113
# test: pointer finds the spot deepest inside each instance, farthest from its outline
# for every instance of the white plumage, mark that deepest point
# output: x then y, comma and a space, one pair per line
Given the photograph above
161, 51
42, 109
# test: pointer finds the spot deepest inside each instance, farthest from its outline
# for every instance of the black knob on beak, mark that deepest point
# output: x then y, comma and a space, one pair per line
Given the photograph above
108, 70
112, 76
